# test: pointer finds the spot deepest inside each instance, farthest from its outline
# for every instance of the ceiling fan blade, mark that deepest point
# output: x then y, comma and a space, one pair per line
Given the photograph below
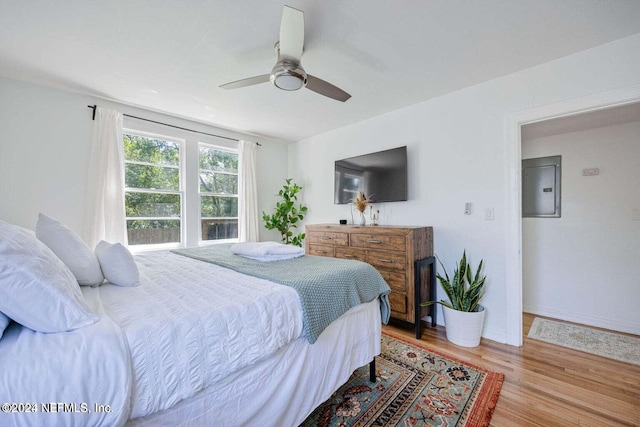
327, 89
291, 35
246, 82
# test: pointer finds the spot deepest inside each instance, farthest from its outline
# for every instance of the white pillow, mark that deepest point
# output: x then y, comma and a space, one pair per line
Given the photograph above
68, 246
117, 264
4, 322
37, 289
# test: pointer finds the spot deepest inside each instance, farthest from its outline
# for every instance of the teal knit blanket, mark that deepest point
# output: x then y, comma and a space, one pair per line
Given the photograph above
327, 287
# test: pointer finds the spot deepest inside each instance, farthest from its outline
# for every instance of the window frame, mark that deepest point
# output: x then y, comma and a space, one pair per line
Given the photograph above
181, 192
235, 151
191, 223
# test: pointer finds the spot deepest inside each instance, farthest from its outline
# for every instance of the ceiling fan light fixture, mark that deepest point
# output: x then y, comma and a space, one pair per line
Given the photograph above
288, 76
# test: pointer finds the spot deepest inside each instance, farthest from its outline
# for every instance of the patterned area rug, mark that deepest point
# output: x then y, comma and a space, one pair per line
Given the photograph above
415, 387
620, 347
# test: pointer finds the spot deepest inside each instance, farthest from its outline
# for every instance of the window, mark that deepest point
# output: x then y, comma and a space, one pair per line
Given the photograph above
218, 175
153, 188
181, 187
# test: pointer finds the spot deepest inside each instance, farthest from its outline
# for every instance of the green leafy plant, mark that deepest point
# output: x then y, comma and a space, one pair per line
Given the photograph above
287, 215
464, 290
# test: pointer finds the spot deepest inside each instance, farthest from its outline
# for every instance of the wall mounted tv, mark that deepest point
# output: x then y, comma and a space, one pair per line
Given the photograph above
381, 176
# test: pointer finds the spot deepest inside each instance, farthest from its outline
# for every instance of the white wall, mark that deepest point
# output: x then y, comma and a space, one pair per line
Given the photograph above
583, 267
457, 147
44, 151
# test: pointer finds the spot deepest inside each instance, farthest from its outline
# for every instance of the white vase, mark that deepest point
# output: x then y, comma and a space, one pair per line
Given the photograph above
363, 220
464, 328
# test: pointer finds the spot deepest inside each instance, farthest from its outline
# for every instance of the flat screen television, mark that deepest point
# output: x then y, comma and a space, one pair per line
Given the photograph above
381, 176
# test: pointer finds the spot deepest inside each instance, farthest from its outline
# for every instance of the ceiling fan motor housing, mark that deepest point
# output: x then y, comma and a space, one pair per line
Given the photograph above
288, 76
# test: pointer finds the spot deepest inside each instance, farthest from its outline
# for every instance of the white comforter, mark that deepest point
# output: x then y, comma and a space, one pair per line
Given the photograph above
58, 379
188, 325
191, 323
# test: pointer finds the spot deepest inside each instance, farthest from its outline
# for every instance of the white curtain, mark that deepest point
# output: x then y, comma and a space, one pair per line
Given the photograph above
248, 219
105, 214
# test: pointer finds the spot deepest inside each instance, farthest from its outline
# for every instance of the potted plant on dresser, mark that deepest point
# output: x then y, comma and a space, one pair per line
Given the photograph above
463, 314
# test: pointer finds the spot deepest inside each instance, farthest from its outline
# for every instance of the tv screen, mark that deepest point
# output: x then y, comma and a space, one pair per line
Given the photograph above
381, 176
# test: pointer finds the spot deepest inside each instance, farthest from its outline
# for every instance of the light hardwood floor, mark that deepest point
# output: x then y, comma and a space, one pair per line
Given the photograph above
547, 385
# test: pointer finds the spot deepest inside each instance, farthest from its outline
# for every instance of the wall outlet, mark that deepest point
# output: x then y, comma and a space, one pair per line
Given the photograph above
467, 208
489, 214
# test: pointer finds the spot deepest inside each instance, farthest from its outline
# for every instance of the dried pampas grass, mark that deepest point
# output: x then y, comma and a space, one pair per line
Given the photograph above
361, 202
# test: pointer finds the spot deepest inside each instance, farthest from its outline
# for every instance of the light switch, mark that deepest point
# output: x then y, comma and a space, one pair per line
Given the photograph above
489, 214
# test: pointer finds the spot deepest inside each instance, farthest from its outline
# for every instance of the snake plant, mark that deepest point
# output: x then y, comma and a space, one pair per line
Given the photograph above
464, 289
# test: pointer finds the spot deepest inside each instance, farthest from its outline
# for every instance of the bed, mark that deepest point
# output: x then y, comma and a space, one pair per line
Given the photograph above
195, 343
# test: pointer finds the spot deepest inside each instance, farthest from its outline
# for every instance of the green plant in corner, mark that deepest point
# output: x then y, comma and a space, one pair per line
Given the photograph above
464, 290
287, 215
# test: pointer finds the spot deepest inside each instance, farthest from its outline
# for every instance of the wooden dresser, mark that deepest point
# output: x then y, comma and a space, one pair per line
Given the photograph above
393, 251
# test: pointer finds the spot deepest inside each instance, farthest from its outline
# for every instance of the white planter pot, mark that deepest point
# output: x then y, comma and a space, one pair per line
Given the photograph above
464, 328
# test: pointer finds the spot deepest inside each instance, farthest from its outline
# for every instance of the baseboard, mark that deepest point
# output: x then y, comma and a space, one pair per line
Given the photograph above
494, 334
598, 322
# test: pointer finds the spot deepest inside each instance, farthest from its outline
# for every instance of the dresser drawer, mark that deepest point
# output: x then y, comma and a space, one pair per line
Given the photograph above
395, 280
328, 238
373, 241
322, 250
398, 302
386, 260
350, 253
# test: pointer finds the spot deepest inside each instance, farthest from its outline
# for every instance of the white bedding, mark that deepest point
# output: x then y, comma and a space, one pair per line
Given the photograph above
283, 389
44, 372
194, 341
191, 323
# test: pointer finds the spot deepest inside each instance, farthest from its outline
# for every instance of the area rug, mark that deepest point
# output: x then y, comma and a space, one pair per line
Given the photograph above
415, 386
620, 347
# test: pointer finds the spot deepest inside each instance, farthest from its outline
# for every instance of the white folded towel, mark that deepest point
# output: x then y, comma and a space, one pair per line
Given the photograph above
267, 251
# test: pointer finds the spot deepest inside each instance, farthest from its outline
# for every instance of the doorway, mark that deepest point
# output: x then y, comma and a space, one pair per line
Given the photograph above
514, 123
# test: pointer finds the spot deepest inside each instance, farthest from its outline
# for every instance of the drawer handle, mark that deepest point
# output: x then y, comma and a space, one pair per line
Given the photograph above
349, 256
321, 252
375, 242
326, 238
388, 261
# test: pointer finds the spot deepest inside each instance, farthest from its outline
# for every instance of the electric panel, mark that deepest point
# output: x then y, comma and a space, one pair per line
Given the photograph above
541, 187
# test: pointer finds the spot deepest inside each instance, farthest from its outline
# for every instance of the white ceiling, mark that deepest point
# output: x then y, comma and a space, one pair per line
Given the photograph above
171, 56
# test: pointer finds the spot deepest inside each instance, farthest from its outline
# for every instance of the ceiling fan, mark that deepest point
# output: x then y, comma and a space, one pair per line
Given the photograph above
288, 73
